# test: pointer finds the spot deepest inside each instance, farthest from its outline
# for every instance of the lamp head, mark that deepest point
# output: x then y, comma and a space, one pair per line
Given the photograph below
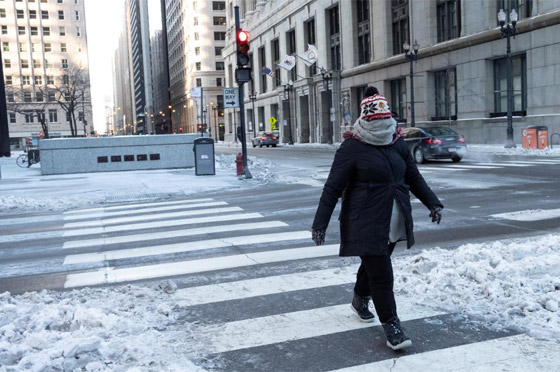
501, 17
513, 17
406, 47
415, 46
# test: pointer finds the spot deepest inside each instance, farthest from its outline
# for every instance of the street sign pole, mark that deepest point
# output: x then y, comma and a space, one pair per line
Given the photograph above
4, 130
246, 171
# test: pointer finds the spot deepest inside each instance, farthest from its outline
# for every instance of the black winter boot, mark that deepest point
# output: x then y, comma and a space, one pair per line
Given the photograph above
360, 305
396, 339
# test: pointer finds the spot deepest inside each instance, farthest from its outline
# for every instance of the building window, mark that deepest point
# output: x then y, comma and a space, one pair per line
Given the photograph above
4, 30
524, 8
34, 31
77, 15
218, 51
5, 46
39, 97
19, 14
63, 48
198, 66
364, 50
334, 38
64, 63
53, 115
62, 31
218, 82
81, 116
195, 21
24, 63
219, 21
36, 63
44, 14
196, 37
25, 80
399, 17
220, 66
65, 79
50, 96
32, 14
50, 80
198, 82
12, 118
27, 97
23, 48
38, 80
29, 117
2, 13
7, 63
309, 28
46, 31
262, 64
197, 51
218, 5
10, 97
48, 47
61, 14
219, 35
292, 49
21, 30
78, 32
519, 73
448, 19
446, 94
275, 61
398, 99
8, 80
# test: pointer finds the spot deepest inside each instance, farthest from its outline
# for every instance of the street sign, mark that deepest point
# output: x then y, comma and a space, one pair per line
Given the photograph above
272, 122
231, 97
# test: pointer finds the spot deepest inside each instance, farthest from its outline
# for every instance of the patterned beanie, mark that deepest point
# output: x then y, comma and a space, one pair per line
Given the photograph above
375, 108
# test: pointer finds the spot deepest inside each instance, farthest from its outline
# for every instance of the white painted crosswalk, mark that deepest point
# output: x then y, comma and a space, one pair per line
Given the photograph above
202, 237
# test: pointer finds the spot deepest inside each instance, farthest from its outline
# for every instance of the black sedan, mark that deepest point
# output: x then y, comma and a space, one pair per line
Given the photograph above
435, 143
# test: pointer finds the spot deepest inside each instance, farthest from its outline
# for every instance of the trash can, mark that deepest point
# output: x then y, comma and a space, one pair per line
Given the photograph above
542, 137
529, 138
204, 159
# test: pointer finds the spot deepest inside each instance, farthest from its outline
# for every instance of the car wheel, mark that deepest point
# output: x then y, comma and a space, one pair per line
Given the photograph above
419, 156
273, 145
456, 158
254, 145
260, 146
267, 145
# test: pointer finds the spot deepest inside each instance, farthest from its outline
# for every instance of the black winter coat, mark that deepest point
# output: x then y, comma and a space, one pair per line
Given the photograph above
369, 178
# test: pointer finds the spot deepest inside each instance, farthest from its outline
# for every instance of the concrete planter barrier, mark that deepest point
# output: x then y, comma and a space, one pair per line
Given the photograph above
122, 153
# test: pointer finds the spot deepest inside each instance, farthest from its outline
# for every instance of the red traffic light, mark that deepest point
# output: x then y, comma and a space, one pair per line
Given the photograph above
242, 36
199, 126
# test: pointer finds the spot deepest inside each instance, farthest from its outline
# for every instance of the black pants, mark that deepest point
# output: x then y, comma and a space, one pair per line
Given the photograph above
375, 279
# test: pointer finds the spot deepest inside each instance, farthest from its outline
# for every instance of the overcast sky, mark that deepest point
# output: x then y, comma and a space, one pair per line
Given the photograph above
104, 20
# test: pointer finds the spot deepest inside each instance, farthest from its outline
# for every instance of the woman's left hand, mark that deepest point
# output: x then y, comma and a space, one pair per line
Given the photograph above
436, 215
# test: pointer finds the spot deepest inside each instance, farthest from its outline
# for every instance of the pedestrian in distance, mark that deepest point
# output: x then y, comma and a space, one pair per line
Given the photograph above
373, 171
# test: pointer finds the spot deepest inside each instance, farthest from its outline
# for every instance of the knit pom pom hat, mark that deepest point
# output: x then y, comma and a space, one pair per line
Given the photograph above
374, 108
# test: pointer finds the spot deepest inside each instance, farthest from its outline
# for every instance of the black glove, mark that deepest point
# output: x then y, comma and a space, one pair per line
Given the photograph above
318, 236
435, 213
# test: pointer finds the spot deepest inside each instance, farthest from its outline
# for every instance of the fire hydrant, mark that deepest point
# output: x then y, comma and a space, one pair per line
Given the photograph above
239, 163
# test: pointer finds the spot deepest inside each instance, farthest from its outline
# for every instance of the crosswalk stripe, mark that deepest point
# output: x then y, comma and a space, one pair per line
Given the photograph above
133, 206
186, 247
170, 234
143, 210
535, 162
160, 224
265, 286
457, 166
438, 169
502, 354
112, 275
117, 220
505, 164
551, 161
254, 332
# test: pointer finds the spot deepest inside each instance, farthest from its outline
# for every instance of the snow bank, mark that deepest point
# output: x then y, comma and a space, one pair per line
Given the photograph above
518, 151
509, 284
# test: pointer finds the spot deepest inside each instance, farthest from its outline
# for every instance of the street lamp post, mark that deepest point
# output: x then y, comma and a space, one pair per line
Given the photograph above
215, 110
204, 121
327, 76
508, 30
411, 55
287, 89
253, 97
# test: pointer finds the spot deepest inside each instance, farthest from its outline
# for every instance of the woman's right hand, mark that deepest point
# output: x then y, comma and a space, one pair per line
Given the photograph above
318, 236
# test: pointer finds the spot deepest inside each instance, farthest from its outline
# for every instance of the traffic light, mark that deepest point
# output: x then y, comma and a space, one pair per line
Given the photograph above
242, 40
199, 127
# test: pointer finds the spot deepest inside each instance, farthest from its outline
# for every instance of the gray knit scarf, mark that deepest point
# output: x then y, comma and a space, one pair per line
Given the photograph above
375, 132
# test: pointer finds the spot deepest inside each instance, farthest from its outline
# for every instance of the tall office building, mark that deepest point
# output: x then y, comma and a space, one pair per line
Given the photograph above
196, 33
44, 46
123, 85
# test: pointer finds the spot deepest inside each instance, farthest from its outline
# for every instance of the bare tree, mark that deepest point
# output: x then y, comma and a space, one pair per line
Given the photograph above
18, 107
70, 91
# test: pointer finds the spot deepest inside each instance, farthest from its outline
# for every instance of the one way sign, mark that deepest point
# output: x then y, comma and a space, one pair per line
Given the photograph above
231, 97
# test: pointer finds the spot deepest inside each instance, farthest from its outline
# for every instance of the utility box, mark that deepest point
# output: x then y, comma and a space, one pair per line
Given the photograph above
204, 159
529, 138
542, 137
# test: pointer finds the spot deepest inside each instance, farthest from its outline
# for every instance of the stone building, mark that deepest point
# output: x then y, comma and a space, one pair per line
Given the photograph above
44, 47
459, 73
196, 33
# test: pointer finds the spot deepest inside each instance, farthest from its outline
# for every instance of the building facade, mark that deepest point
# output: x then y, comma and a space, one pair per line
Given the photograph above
459, 73
196, 33
123, 107
44, 52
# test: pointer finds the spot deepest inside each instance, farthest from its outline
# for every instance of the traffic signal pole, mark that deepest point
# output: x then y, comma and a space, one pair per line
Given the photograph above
246, 172
4, 131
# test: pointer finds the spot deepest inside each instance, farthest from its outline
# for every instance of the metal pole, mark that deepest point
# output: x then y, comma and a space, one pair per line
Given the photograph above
254, 122
291, 139
509, 141
202, 111
331, 140
246, 171
412, 119
4, 130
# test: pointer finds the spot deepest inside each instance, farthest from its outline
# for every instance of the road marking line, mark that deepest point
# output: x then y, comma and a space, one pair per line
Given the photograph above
170, 234
182, 247
143, 210
471, 166
436, 169
132, 206
117, 220
530, 162
529, 215
112, 275
502, 354
265, 286
298, 325
505, 164
159, 224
